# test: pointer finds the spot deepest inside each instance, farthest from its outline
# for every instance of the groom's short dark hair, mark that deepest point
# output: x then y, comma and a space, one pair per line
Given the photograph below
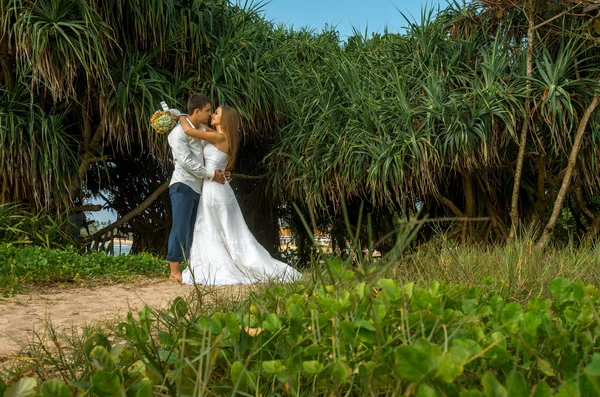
197, 101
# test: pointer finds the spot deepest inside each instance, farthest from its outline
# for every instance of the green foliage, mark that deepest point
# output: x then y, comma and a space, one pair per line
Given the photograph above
19, 226
424, 119
34, 265
353, 335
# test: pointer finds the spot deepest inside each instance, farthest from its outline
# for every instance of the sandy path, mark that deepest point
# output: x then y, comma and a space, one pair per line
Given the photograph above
23, 314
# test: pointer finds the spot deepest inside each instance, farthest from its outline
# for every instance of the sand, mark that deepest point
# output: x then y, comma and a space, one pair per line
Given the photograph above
22, 315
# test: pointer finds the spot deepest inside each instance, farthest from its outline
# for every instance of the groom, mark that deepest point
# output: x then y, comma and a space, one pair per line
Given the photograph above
186, 182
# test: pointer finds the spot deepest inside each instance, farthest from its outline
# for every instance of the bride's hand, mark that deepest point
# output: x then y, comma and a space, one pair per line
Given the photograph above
185, 125
219, 176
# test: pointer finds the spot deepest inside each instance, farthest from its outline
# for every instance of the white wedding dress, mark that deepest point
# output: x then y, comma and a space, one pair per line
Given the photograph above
224, 251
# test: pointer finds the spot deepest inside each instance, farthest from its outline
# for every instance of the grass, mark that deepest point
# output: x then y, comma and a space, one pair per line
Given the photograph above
493, 316
515, 270
22, 268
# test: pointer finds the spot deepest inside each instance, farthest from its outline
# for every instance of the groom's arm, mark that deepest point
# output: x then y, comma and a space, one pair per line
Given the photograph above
183, 155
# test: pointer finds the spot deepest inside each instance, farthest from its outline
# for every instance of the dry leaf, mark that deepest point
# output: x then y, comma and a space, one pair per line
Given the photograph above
253, 331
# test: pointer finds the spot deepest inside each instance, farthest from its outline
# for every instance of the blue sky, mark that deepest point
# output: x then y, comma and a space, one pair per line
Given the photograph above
373, 15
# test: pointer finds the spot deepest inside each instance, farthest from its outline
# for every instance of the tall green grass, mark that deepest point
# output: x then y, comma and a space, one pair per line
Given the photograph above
21, 226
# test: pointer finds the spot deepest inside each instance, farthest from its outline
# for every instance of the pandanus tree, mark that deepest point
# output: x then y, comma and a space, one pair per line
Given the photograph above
484, 112
81, 79
481, 109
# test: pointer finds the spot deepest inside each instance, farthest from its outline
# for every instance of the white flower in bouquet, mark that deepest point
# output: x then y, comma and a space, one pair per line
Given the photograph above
164, 120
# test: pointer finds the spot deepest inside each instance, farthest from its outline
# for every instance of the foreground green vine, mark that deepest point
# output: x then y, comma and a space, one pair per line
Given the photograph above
350, 336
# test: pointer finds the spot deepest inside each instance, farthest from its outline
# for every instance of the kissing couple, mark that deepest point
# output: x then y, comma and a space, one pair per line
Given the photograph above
208, 226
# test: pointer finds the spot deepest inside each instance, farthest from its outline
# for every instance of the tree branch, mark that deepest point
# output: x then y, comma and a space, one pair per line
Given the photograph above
447, 202
89, 207
242, 176
562, 193
132, 213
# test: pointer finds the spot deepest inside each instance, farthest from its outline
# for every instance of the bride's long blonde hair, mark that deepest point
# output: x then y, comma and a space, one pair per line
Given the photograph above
230, 125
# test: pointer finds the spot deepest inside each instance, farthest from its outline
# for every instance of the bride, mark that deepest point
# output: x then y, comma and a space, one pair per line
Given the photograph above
224, 251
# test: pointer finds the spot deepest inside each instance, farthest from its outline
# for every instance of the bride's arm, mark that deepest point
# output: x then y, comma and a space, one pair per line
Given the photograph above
211, 136
207, 128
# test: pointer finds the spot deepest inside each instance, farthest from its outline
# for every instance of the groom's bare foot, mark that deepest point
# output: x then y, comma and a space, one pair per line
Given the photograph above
175, 272
176, 277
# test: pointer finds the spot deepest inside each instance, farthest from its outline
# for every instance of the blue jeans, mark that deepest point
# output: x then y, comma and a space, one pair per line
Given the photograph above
184, 204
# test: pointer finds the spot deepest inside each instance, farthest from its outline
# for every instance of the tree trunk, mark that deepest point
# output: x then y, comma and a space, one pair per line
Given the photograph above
469, 206
593, 230
133, 213
447, 202
562, 193
88, 157
514, 207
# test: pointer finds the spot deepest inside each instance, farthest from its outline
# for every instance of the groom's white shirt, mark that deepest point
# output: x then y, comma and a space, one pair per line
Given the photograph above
188, 153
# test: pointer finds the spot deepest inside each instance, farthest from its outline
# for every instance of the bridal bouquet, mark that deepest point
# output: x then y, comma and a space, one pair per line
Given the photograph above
164, 120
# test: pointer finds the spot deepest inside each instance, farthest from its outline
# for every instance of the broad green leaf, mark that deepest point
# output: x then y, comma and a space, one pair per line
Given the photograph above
426, 391
578, 291
531, 321
168, 357
101, 359
55, 388
541, 390
545, 367
561, 289
339, 372
273, 367
140, 389
422, 299
390, 289
272, 323
432, 351
210, 324
138, 369
517, 386
411, 364
361, 289
335, 267
468, 305
312, 367
407, 290
295, 306
434, 289
379, 311
497, 303
593, 368
232, 327
452, 364
491, 386
472, 346
241, 377
511, 315
364, 324
24, 387
81, 385
345, 300
329, 305
570, 389
2, 388
470, 393
108, 383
